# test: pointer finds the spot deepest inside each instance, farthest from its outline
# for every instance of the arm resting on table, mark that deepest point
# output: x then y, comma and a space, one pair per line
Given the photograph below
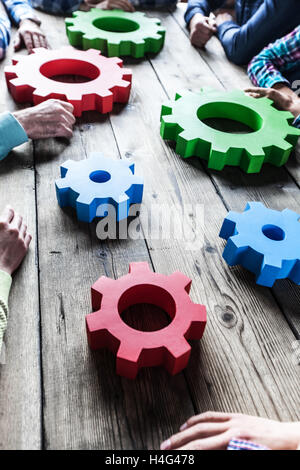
12, 134
201, 6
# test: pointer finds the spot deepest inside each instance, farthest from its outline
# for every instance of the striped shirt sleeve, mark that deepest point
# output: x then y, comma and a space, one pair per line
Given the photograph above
19, 10
4, 35
269, 66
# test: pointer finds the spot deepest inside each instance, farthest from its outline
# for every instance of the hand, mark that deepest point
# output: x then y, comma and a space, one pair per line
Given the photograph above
202, 28
14, 240
31, 35
284, 98
111, 4
223, 17
52, 118
214, 431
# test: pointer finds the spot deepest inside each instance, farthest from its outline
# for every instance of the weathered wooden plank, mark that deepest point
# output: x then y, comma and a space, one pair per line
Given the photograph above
86, 405
20, 397
244, 359
276, 187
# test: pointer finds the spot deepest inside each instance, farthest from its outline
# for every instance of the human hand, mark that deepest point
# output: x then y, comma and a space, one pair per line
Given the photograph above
202, 28
31, 35
222, 18
111, 5
283, 98
14, 240
52, 118
214, 431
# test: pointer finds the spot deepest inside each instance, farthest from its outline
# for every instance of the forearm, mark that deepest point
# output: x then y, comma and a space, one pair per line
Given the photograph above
5, 284
201, 6
19, 10
12, 134
242, 43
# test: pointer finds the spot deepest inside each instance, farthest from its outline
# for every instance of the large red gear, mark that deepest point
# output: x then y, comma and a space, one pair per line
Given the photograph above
136, 349
29, 79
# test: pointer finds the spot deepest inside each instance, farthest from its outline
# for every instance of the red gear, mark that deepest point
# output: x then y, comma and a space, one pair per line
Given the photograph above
136, 349
29, 79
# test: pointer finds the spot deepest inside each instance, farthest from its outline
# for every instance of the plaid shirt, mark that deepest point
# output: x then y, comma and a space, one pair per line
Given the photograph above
280, 58
17, 10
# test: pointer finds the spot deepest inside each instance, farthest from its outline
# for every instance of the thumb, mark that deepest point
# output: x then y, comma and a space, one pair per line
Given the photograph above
17, 42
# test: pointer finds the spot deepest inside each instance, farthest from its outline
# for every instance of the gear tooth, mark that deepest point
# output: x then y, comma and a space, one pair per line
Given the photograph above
65, 167
139, 268
229, 225
182, 281
235, 249
168, 119
207, 89
17, 82
291, 215
128, 356
178, 355
254, 205
295, 273
269, 271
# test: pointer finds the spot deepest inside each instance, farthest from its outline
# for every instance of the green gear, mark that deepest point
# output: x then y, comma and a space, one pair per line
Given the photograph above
272, 140
115, 32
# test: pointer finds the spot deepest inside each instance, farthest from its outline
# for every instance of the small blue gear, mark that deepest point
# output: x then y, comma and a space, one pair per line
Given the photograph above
91, 185
264, 241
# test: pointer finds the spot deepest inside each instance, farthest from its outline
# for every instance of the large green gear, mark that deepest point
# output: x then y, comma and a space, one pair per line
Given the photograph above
272, 139
115, 32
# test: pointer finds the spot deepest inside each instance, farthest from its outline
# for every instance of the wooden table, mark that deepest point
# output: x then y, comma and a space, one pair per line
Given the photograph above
54, 392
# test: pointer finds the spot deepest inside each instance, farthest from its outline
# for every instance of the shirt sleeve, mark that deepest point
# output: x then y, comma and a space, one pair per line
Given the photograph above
19, 10
201, 6
5, 285
267, 68
273, 19
12, 134
4, 35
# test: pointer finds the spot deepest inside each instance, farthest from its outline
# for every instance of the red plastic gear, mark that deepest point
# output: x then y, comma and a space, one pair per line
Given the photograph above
29, 79
136, 349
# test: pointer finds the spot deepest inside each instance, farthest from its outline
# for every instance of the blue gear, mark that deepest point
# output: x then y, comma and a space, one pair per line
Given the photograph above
91, 185
264, 241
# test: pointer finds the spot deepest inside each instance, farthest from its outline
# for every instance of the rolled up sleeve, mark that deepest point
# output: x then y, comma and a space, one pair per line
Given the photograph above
12, 134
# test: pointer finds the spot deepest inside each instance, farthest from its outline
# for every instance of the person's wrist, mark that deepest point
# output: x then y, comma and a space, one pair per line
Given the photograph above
196, 19
22, 118
294, 107
6, 269
33, 19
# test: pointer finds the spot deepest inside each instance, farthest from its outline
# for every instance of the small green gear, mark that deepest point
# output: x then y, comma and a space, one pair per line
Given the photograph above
272, 140
115, 32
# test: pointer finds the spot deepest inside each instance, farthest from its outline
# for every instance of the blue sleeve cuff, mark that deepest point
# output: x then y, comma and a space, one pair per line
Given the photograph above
296, 123
12, 134
226, 26
190, 12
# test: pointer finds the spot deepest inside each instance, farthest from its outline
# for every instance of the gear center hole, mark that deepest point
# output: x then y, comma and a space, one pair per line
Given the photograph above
147, 308
70, 71
273, 232
116, 25
100, 176
232, 118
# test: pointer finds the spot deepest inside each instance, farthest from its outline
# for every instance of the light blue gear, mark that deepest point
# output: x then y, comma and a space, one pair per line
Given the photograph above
264, 241
114, 182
